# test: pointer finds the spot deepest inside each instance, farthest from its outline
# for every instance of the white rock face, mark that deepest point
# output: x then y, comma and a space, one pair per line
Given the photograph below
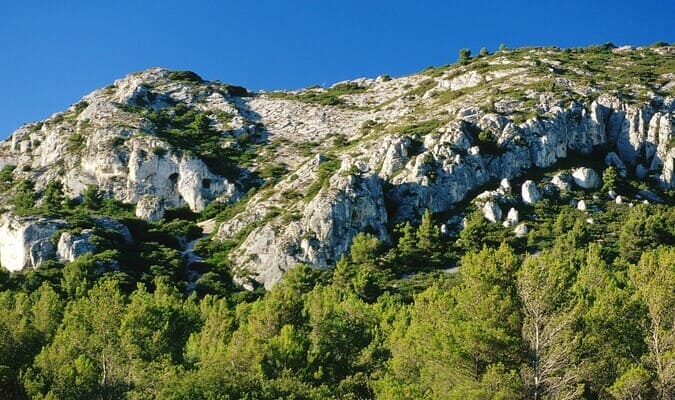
118, 150
492, 212
324, 232
176, 181
667, 176
395, 156
586, 178
121, 152
530, 193
41, 251
26, 242
71, 246
505, 185
150, 208
562, 182
512, 218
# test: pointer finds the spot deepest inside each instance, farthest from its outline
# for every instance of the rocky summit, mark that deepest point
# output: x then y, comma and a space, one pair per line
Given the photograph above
288, 177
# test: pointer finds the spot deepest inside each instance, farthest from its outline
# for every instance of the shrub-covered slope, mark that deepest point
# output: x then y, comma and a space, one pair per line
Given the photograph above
502, 227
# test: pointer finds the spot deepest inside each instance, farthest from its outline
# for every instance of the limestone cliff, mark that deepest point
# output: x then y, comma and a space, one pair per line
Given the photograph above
322, 164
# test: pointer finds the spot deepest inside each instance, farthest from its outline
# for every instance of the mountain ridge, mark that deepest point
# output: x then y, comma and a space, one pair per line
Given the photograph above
295, 175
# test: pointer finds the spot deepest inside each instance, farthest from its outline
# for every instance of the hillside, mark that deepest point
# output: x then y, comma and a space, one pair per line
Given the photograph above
303, 172
304, 241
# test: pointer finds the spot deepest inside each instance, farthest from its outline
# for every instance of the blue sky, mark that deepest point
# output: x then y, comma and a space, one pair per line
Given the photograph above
54, 52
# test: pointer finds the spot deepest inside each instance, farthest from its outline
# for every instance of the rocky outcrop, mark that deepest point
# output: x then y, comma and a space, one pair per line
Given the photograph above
512, 218
352, 204
530, 193
150, 208
395, 156
505, 185
100, 142
613, 160
176, 180
562, 182
492, 212
586, 178
26, 242
71, 245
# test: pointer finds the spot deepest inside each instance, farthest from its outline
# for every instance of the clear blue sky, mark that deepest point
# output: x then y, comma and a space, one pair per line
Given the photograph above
54, 52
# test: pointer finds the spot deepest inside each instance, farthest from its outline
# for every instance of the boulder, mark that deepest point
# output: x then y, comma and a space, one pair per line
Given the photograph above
492, 212
521, 230
25, 242
562, 181
73, 245
586, 178
511, 218
530, 193
581, 205
613, 160
41, 251
150, 208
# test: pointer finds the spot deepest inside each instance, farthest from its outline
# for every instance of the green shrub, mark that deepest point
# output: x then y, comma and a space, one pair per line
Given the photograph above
190, 130
92, 198
420, 128
326, 169
464, 56
185, 76
76, 142
7, 176
237, 91
24, 198
159, 151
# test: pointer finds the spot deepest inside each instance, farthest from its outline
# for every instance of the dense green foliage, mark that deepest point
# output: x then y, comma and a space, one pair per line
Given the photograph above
573, 311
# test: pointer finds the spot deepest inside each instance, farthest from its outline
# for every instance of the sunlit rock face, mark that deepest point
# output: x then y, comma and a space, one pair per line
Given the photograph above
395, 147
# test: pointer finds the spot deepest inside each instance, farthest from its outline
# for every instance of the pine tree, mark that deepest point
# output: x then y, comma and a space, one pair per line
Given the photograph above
429, 241
52, 201
92, 197
609, 179
24, 199
654, 281
464, 56
407, 251
543, 283
487, 313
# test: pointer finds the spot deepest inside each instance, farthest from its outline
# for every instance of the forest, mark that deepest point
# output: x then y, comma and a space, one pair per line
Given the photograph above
573, 310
